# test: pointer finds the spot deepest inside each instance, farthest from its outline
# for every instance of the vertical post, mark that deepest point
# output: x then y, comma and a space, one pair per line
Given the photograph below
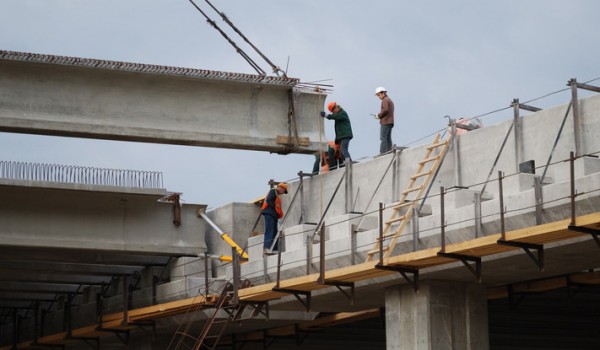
43, 322
395, 177
457, 182
236, 274
206, 281
155, 280
302, 219
36, 322
322, 255
572, 180
15, 323
443, 218
309, 255
125, 320
478, 225
67, 317
353, 233
576, 121
517, 133
501, 195
348, 175
380, 233
415, 227
99, 307
539, 201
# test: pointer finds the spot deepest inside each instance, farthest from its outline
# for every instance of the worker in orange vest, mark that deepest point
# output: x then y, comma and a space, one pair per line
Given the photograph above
272, 211
330, 160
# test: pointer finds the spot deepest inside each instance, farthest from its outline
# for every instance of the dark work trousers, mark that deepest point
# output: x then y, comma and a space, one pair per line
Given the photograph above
385, 135
270, 231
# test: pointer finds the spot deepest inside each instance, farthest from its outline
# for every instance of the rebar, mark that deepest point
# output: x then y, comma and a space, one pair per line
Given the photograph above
80, 175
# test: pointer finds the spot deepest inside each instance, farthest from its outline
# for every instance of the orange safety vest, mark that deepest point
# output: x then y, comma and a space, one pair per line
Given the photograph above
277, 203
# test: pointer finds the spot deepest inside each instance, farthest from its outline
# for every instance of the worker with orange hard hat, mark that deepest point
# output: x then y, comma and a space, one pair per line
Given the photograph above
271, 210
343, 128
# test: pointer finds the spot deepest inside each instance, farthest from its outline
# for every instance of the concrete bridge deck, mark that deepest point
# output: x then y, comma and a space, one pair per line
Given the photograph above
77, 251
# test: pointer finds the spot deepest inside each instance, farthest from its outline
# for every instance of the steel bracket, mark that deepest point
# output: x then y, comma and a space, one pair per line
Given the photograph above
51, 346
465, 259
404, 271
339, 285
297, 293
587, 230
143, 325
527, 247
87, 341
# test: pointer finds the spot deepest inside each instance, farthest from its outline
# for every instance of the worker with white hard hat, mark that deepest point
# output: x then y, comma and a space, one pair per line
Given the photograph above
386, 119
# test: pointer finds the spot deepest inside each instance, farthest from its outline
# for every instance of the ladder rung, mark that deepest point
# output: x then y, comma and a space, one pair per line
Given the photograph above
377, 250
402, 205
427, 160
187, 335
435, 145
420, 175
391, 221
412, 190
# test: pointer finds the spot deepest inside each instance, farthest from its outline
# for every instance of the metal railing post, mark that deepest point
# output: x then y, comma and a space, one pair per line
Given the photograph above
576, 120
517, 132
380, 233
539, 200
443, 218
501, 195
572, 183
478, 224
322, 256
415, 227
236, 275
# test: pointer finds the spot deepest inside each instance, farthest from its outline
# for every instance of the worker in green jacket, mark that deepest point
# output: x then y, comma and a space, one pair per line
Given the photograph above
343, 128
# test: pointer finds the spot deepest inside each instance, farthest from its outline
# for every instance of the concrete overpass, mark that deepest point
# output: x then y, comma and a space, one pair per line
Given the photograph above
90, 98
107, 264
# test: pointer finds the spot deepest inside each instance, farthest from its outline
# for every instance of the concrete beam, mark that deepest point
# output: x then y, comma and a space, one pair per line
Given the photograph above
66, 96
97, 222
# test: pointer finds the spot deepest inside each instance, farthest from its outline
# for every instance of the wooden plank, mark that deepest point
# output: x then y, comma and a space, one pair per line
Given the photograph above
286, 140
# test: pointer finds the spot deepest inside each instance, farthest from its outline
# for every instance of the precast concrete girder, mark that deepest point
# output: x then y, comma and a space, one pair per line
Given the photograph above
67, 96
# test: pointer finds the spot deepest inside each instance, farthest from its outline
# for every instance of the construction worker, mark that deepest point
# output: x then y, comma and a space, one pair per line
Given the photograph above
272, 212
330, 160
343, 128
334, 155
386, 119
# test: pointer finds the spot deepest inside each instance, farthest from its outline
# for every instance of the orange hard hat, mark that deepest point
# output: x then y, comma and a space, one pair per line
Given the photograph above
331, 106
284, 186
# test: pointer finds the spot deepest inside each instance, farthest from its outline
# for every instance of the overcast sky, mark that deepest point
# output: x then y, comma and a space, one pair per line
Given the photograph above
436, 58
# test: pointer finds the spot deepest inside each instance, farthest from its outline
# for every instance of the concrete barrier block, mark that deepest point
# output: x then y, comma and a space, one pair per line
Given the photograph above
187, 266
255, 247
295, 237
464, 197
340, 227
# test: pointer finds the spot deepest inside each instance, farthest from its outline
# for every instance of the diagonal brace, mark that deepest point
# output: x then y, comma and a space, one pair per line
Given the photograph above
465, 259
587, 230
527, 247
297, 293
404, 271
339, 285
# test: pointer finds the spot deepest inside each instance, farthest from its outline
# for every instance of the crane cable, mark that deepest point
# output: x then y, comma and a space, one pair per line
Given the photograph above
240, 51
275, 68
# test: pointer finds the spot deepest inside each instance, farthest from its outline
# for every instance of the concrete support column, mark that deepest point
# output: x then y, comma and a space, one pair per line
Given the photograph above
441, 315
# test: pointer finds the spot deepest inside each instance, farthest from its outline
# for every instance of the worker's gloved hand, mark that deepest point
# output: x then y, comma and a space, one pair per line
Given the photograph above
376, 116
323, 114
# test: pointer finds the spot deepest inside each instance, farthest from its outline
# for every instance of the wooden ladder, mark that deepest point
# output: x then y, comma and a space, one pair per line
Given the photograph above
402, 211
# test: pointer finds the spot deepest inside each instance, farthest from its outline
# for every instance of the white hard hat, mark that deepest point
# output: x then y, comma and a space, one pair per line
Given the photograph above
380, 89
